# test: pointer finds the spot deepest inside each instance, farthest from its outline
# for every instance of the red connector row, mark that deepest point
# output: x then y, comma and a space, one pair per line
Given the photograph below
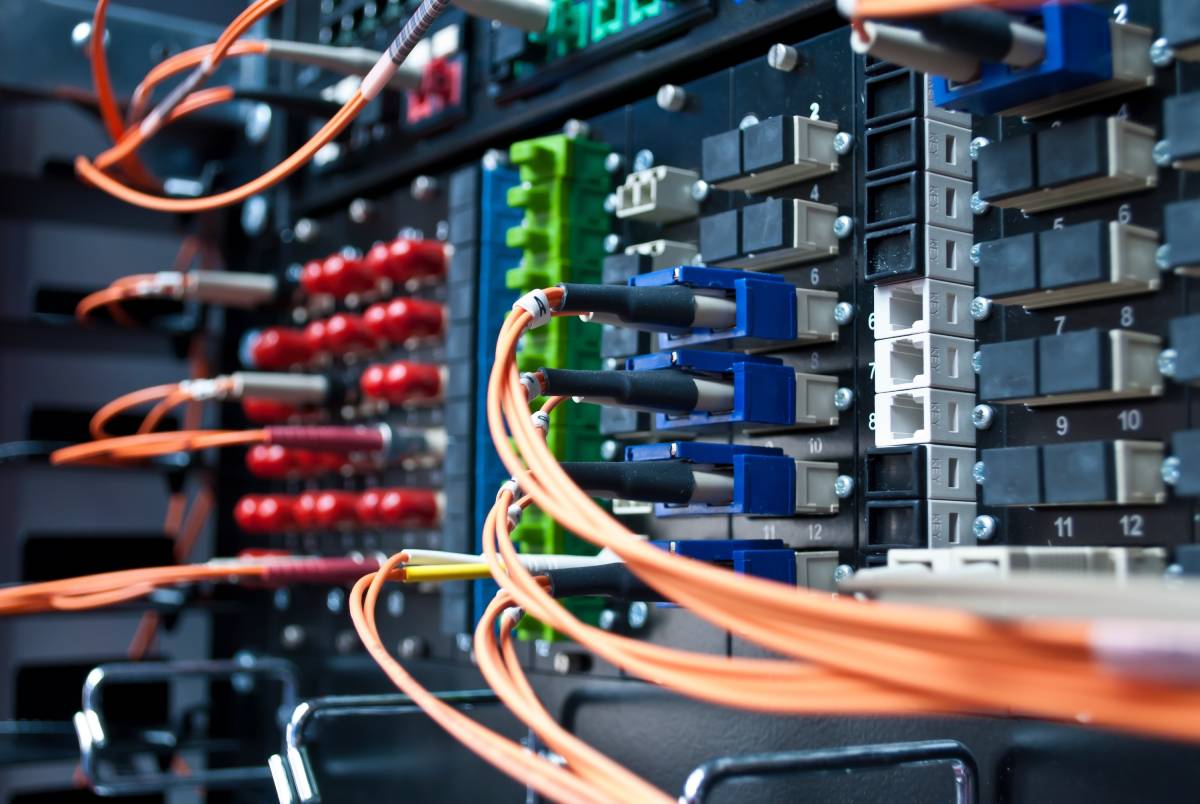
273, 462
400, 261
396, 321
264, 514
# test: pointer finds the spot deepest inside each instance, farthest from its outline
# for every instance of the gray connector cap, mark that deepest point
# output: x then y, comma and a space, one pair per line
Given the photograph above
528, 15
345, 61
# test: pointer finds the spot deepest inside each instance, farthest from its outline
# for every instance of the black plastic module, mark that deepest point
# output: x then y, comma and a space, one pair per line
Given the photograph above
1078, 473
1007, 266
1008, 370
1007, 168
1073, 362
1074, 255
1012, 476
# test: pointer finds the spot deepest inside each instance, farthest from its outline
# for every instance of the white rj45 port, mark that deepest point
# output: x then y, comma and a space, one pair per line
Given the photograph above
923, 305
660, 194
923, 416
924, 361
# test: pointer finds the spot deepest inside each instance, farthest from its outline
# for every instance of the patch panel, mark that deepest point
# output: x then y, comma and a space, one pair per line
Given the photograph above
772, 234
770, 154
1120, 472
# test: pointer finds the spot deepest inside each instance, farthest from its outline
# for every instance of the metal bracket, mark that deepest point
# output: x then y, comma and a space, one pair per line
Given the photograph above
291, 770
704, 779
96, 749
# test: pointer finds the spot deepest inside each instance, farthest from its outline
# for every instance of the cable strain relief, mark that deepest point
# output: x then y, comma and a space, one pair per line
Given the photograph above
329, 438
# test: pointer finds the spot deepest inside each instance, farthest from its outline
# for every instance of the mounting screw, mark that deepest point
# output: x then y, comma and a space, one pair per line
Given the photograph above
842, 573
843, 399
977, 362
576, 129
81, 35
976, 253
395, 603
612, 243
747, 121
258, 123
1172, 468
464, 642
293, 636
784, 58
980, 308
638, 615
977, 145
572, 662
1162, 257
843, 486
643, 159
306, 230
334, 600
1168, 362
978, 205
1162, 153
843, 313
671, 98
982, 416
843, 225
978, 472
346, 642
423, 188
610, 203
610, 450
1161, 54
254, 215
413, 648
843, 143
984, 527
282, 599
699, 190
1174, 571
614, 162
361, 210
494, 159
607, 620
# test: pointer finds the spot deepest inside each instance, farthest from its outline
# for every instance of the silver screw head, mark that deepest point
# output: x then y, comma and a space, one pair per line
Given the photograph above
976, 253
576, 129
978, 205
747, 121
843, 572
843, 399
978, 472
610, 450
843, 313
784, 58
980, 308
843, 486
423, 188
843, 225
612, 243
413, 648
292, 636
607, 620
1162, 153
977, 145
1168, 362
984, 527
982, 416
346, 642
614, 162
306, 230
699, 190
610, 203
1161, 54
1172, 468
843, 143
464, 642
1162, 257
643, 159
334, 600
671, 98
258, 123
977, 362
494, 159
395, 603
638, 615
282, 598
254, 215
361, 210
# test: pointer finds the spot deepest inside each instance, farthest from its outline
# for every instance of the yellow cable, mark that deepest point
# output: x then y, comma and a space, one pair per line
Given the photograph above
438, 573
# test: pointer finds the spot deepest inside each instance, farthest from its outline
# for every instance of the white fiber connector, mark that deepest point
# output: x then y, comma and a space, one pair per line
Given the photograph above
923, 305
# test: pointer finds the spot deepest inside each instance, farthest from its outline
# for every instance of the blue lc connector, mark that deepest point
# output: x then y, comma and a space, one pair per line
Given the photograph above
762, 389
766, 304
764, 478
761, 558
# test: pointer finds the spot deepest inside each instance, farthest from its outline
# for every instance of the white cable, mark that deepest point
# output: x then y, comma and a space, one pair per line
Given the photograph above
537, 304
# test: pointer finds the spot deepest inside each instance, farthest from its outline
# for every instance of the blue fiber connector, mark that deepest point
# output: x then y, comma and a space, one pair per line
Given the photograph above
766, 304
1078, 54
764, 389
761, 558
764, 478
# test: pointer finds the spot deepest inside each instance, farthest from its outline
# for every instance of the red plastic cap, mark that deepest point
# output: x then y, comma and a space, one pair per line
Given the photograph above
345, 275
409, 508
316, 335
404, 259
312, 278
335, 509
367, 508
278, 348
271, 461
346, 333
262, 514
405, 318
266, 411
402, 382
